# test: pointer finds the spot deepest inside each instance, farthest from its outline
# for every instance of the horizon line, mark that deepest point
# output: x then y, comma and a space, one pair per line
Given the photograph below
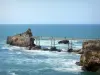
49, 24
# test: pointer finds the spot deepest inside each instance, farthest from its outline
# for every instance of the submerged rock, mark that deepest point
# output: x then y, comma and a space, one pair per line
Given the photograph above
70, 50
55, 49
90, 59
23, 40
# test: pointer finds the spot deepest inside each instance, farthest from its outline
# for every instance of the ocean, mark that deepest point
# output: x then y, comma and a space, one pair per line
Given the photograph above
20, 61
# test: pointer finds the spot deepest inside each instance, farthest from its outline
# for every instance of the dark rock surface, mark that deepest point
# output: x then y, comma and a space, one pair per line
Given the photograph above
36, 48
70, 50
55, 49
63, 42
90, 59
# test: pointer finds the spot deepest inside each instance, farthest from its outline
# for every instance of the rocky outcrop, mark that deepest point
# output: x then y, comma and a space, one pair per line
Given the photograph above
90, 59
23, 40
63, 42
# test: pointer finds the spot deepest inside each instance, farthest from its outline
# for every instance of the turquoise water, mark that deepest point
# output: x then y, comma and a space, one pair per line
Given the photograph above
20, 61
60, 30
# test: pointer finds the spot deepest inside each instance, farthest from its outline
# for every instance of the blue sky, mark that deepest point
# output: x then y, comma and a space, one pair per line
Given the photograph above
49, 11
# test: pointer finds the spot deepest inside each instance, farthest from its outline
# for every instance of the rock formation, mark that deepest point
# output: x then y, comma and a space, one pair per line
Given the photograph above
63, 42
23, 40
90, 59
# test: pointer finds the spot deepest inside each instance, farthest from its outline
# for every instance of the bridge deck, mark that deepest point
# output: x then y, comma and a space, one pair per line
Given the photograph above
62, 38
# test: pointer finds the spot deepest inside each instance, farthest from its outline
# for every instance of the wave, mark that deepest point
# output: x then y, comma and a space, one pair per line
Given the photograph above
72, 69
42, 60
9, 47
12, 73
58, 64
64, 65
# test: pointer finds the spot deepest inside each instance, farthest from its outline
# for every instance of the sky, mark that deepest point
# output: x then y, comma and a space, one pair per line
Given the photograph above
49, 11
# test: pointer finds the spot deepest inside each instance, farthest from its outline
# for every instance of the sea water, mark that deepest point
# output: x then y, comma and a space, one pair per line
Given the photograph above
20, 61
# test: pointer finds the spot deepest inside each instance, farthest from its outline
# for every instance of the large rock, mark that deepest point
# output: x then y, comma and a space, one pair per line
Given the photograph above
63, 42
23, 40
90, 59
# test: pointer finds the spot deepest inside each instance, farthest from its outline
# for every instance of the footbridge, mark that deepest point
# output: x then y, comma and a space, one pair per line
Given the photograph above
53, 39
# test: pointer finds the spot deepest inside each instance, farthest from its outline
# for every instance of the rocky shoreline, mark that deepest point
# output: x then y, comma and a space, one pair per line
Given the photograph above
90, 59
90, 52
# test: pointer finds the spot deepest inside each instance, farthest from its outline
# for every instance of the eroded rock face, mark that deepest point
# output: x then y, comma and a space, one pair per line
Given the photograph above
23, 40
90, 59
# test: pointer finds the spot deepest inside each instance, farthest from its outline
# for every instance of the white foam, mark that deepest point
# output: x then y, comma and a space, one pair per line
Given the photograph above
64, 65
58, 61
13, 74
12, 47
19, 52
72, 69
